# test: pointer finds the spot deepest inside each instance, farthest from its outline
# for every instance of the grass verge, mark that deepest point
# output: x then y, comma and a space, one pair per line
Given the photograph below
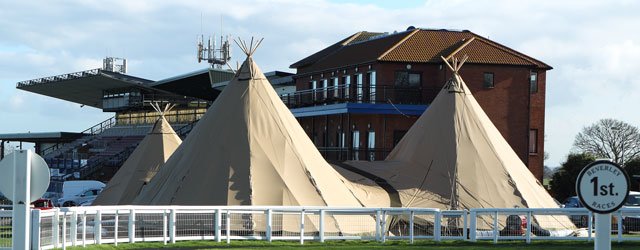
366, 245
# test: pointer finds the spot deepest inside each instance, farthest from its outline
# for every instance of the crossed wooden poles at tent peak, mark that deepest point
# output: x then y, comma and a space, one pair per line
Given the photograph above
457, 64
167, 108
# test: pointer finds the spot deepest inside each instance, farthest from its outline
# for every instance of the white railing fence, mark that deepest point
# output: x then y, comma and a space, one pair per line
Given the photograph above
80, 226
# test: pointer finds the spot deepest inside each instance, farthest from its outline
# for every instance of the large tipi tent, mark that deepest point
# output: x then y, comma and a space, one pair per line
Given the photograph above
453, 157
142, 164
248, 149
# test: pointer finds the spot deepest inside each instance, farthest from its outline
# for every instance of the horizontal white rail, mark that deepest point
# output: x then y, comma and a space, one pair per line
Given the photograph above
80, 226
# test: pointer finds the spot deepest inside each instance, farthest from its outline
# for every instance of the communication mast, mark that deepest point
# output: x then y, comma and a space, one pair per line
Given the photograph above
213, 55
115, 64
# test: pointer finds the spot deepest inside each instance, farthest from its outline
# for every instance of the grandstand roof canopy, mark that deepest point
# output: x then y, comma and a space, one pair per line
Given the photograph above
41, 137
84, 87
199, 85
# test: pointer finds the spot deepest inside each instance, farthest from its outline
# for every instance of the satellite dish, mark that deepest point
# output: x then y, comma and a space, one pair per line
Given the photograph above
40, 175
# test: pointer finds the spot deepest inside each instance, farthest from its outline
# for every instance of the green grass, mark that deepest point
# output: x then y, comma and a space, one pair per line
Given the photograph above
5, 242
458, 245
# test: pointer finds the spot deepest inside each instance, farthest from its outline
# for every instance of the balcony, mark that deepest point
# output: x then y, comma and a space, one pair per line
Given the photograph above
353, 94
341, 154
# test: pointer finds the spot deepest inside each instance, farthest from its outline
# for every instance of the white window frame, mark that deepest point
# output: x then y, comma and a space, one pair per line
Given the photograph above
359, 82
347, 85
372, 86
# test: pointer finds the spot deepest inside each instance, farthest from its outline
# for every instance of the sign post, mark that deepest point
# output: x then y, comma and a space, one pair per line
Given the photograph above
602, 187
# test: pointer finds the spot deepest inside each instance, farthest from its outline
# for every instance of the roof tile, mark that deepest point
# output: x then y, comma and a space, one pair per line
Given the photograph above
424, 46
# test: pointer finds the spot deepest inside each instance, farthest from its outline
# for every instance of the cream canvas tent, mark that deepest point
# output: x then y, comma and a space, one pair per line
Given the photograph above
453, 158
248, 149
142, 164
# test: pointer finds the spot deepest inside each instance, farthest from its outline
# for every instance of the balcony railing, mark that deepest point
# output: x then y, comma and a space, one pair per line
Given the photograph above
353, 93
358, 154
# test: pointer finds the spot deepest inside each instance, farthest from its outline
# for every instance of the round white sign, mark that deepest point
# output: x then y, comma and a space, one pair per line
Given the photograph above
39, 174
602, 186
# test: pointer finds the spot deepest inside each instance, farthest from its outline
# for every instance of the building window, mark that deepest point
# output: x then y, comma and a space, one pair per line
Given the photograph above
312, 86
407, 79
346, 80
355, 137
488, 80
371, 145
341, 139
325, 85
533, 141
335, 87
359, 87
372, 86
533, 82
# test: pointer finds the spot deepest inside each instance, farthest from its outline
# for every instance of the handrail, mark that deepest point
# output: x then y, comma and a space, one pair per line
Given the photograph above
94, 130
68, 76
354, 93
100, 127
184, 130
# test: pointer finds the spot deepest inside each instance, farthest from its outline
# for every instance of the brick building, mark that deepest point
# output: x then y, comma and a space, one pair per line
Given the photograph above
357, 97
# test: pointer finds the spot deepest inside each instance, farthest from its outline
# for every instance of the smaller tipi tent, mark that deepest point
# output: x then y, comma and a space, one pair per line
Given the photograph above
142, 164
453, 157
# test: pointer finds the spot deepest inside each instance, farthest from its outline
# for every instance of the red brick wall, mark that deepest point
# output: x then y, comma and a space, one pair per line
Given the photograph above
509, 105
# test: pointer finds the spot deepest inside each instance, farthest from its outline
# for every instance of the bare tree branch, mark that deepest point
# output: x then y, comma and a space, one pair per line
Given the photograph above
609, 138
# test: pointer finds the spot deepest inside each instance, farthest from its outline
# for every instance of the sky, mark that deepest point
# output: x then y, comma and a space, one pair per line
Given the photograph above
593, 47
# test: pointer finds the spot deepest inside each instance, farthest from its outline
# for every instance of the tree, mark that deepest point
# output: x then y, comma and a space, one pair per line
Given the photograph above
611, 139
563, 182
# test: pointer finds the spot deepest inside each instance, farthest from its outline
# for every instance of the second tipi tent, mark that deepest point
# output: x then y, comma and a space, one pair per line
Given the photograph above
142, 164
453, 157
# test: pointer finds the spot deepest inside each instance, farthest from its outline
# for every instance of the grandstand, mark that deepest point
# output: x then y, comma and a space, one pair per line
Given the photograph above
97, 152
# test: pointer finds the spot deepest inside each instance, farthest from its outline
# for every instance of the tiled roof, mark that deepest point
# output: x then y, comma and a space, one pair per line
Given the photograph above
353, 52
357, 37
420, 46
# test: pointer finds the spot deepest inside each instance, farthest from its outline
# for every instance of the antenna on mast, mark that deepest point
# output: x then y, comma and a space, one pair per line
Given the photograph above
214, 55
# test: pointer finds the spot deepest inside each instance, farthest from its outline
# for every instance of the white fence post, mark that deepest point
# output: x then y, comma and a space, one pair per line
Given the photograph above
164, 226
132, 226
529, 221
472, 226
620, 229
322, 214
465, 223
495, 227
437, 227
115, 229
56, 229
378, 226
74, 228
301, 226
84, 228
172, 226
269, 224
218, 225
97, 227
411, 226
64, 230
384, 226
228, 227
35, 228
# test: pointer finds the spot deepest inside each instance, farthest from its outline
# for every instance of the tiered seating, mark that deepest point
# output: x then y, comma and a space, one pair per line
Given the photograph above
109, 148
